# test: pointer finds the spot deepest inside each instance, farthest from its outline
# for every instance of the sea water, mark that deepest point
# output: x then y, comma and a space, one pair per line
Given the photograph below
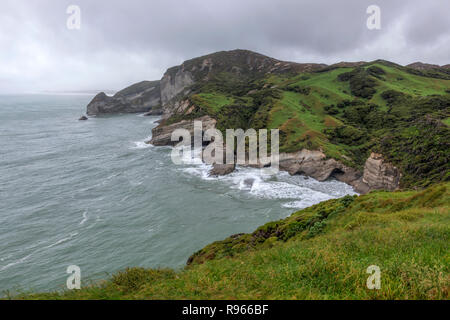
93, 194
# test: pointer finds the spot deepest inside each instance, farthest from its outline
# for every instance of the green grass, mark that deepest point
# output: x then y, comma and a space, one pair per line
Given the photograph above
321, 252
213, 101
446, 121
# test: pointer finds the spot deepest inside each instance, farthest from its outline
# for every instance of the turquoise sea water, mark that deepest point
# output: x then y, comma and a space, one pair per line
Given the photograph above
92, 194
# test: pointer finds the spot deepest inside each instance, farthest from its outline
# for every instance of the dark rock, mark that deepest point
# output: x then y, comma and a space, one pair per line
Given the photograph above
83, 118
222, 169
137, 98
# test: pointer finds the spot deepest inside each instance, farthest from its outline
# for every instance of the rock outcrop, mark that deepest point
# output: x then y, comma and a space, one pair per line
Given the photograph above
379, 174
140, 97
314, 163
174, 82
161, 135
222, 169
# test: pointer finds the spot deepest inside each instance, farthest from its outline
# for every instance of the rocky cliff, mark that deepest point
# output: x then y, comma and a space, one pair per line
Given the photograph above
240, 65
330, 117
377, 173
380, 174
144, 96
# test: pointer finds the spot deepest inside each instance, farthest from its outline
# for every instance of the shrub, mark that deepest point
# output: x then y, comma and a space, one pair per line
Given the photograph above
331, 109
299, 89
361, 85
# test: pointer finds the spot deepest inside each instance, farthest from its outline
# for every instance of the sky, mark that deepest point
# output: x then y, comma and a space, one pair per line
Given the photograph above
123, 42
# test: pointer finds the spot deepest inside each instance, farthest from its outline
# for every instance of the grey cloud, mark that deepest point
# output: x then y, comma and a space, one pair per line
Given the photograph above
121, 42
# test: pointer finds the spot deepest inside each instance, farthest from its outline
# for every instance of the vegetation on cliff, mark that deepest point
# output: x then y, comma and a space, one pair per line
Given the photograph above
347, 112
321, 252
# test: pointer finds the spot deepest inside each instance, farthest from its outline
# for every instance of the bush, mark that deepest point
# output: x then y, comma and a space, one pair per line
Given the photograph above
376, 71
361, 85
346, 134
331, 109
392, 96
299, 89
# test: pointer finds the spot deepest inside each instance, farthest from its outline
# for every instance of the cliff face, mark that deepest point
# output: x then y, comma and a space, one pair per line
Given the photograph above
380, 174
140, 97
174, 83
330, 117
240, 65
147, 95
377, 173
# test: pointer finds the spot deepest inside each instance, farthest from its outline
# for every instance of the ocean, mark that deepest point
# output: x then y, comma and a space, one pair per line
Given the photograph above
93, 194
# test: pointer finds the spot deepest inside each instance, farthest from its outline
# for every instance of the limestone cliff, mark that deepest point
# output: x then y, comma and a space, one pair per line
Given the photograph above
379, 174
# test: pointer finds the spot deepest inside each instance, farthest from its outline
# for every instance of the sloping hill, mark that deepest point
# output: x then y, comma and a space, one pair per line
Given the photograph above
321, 252
347, 110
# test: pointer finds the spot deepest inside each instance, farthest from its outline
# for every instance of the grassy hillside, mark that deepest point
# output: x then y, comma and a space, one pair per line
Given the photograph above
348, 112
321, 252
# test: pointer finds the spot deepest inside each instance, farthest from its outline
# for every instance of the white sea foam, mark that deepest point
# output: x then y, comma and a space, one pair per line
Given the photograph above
21, 260
63, 240
302, 191
141, 144
85, 218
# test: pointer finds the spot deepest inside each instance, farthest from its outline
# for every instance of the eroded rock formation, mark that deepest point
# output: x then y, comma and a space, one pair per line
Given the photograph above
161, 135
144, 96
379, 174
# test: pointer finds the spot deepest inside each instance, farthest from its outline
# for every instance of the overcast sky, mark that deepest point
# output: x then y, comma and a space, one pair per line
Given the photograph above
122, 42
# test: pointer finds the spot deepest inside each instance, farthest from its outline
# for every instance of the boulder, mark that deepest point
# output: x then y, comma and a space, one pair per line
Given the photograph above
83, 118
218, 169
222, 169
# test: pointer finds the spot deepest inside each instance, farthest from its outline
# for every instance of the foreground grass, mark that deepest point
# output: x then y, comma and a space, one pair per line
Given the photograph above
318, 253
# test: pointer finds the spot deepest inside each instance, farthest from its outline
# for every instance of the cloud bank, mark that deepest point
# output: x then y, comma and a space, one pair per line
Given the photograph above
121, 42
